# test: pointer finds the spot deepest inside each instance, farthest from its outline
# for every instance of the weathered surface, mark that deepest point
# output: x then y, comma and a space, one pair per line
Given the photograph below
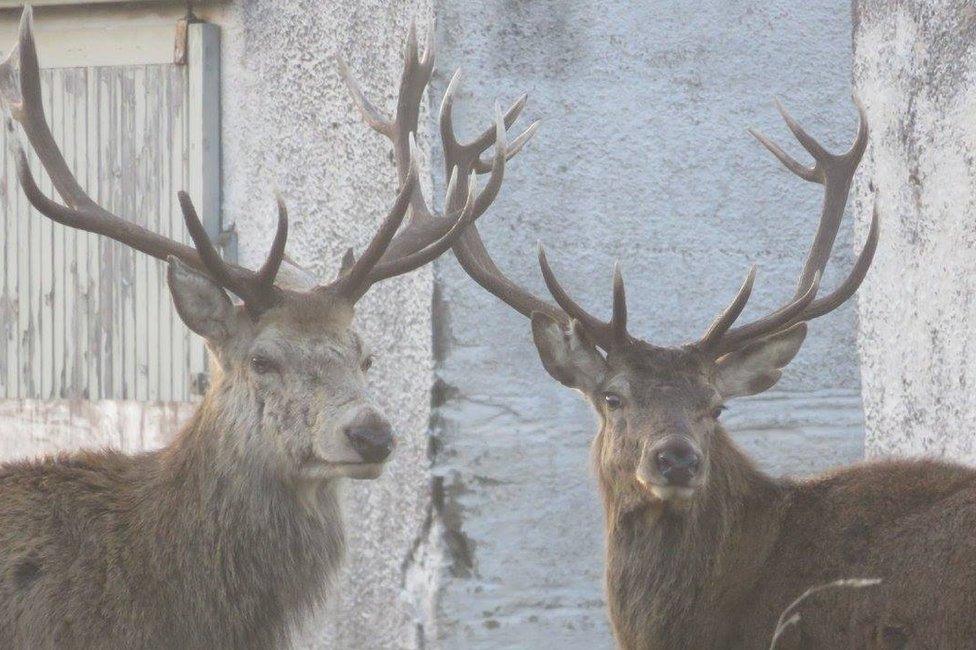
31, 428
82, 316
914, 67
642, 156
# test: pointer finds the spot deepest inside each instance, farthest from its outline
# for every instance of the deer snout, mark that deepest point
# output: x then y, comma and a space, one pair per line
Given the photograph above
678, 463
372, 437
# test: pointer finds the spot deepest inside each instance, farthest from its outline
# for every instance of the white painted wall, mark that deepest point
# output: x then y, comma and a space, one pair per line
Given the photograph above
643, 157
915, 67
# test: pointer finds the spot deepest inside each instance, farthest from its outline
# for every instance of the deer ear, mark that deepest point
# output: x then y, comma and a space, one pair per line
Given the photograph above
201, 303
758, 366
569, 356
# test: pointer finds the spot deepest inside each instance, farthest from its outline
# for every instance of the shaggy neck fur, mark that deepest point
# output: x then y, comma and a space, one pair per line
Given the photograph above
239, 554
676, 573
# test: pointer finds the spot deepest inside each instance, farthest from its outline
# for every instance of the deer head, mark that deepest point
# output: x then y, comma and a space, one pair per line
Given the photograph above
659, 406
289, 364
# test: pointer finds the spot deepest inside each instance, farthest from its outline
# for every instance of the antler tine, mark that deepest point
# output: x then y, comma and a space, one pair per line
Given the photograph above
24, 101
781, 318
810, 174
214, 264
514, 147
487, 137
269, 270
602, 333
356, 281
846, 289
618, 322
487, 196
370, 114
725, 320
813, 147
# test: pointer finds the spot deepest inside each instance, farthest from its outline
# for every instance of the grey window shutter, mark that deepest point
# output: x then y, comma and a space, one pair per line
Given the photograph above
82, 316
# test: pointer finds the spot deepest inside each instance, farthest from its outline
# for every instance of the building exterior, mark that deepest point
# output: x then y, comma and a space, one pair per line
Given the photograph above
485, 531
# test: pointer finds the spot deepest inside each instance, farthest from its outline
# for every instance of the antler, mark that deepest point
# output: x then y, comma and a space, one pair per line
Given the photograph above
835, 172
389, 253
427, 235
20, 91
477, 263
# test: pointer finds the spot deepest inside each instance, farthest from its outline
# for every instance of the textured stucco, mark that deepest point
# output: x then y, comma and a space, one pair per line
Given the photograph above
915, 67
288, 124
643, 157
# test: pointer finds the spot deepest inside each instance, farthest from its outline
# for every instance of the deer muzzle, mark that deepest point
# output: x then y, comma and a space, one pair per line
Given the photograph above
670, 469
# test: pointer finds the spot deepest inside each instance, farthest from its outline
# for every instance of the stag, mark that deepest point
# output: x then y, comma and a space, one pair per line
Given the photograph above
704, 550
233, 532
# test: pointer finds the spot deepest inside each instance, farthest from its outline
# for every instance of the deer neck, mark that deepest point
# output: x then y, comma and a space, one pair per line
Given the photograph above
228, 535
675, 574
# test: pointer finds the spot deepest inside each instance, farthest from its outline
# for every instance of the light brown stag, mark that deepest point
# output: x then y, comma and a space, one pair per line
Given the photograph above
703, 549
229, 535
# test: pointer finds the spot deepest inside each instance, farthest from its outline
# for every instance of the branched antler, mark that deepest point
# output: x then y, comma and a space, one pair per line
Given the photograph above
427, 234
834, 172
392, 250
20, 92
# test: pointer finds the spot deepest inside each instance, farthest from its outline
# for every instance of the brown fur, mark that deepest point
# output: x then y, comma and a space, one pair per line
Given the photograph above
717, 568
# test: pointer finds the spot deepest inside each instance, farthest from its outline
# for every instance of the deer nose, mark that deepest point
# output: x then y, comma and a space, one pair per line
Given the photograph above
373, 439
678, 463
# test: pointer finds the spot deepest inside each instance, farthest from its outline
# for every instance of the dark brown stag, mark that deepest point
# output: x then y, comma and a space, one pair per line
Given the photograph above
230, 534
703, 549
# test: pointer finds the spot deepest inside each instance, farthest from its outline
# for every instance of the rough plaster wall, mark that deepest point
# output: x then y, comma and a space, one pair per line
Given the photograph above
642, 157
915, 67
288, 124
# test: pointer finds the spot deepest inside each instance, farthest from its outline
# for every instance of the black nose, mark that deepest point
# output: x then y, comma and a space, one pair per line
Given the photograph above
372, 439
678, 463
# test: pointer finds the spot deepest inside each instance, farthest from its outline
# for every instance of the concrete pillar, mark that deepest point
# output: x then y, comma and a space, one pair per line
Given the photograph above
914, 65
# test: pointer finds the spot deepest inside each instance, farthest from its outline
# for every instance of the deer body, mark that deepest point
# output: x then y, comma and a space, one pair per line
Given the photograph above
186, 547
718, 572
228, 536
704, 550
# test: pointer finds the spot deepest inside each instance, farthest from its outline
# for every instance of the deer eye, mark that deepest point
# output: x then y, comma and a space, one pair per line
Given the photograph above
367, 363
716, 412
612, 400
262, 365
